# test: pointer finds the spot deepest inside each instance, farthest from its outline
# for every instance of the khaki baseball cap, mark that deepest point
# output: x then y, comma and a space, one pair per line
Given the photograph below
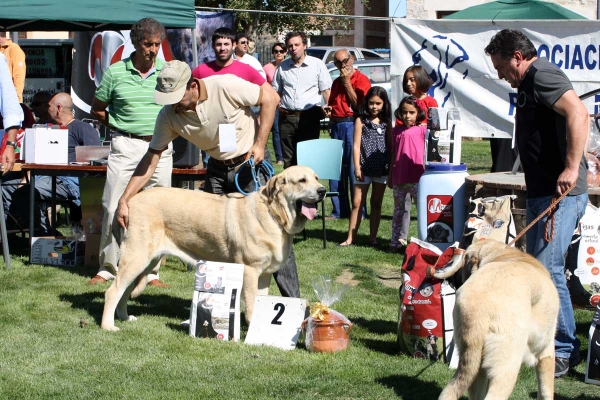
172, 82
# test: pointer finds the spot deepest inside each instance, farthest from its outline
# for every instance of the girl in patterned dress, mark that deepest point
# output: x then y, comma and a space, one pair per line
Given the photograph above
372, 141
408, 164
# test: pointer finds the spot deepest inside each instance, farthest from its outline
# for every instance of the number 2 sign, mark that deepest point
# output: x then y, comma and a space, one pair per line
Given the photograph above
276, 321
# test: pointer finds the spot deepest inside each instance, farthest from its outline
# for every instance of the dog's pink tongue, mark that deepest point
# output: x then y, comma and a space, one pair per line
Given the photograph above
309, 210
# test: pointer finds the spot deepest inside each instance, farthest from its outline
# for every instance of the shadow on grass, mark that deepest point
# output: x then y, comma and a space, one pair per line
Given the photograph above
533, 395
147, 304
411, 387
380, 346
377, 326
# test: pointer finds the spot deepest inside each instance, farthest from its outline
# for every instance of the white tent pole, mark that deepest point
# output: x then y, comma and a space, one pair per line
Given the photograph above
195, 48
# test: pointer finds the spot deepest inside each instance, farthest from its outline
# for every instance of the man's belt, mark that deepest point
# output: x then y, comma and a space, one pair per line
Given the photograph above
231, 161
343, 119
289, 112
146, 138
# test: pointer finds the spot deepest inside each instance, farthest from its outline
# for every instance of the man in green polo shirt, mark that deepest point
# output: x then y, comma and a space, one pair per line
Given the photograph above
127, 89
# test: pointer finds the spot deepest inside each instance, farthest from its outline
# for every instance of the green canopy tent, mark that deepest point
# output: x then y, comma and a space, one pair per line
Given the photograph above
93, 15
515, 9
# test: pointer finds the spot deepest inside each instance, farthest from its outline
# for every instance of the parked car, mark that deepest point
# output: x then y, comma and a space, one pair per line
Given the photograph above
326, 53
378, 72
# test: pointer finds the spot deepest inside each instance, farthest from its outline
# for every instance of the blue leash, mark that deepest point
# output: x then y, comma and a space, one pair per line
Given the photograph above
254, 170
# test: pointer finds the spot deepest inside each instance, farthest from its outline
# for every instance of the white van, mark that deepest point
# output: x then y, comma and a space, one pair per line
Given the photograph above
48, 66
326, 53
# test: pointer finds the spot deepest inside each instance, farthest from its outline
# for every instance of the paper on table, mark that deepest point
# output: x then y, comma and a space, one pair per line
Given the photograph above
227, 138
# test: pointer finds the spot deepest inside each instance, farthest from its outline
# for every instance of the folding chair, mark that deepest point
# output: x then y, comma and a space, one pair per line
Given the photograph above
324, 156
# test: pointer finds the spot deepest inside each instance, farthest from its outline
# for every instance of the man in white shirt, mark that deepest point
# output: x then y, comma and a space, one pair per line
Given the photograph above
300, 81
12, 114
240, 44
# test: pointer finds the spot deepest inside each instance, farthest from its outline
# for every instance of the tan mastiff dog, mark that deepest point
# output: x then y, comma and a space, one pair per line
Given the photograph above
256, 230
505, 316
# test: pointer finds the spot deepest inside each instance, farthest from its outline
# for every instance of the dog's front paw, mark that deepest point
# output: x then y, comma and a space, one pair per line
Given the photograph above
110, 328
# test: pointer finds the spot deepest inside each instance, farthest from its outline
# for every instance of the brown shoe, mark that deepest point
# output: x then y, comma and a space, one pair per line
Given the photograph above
157, 283
96, 280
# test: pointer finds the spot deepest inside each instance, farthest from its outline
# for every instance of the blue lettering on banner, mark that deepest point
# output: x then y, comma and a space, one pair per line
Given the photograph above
577, 58
571, 57
512, 103
590, 64
596, 101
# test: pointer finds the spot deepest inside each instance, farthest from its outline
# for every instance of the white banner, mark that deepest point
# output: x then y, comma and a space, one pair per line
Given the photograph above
452, 52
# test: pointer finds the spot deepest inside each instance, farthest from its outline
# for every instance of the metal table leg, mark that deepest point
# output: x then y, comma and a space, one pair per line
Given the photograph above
31, 205
4, 237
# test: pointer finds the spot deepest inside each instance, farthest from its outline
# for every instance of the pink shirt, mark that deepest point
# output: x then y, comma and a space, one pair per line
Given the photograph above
236, 68
409, 150
270, 71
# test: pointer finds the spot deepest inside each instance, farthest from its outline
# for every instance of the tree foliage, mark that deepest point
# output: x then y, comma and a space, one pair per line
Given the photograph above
255, 23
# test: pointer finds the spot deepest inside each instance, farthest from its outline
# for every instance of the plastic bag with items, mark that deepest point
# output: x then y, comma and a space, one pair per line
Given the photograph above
326, 329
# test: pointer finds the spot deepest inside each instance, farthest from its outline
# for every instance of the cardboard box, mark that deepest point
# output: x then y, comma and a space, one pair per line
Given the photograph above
92, 213
46, 146
57, 250
92, 250
215, 310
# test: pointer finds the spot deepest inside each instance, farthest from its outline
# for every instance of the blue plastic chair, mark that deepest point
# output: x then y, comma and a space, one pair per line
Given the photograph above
324, 156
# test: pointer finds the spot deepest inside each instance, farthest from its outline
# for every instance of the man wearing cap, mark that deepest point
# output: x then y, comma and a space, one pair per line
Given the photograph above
210, 112
127, 88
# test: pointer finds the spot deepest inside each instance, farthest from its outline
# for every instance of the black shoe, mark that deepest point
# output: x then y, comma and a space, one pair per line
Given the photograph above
561, 367
574, 360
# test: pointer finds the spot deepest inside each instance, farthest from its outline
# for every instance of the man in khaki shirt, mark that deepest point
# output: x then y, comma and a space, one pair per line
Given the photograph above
203, 111
16, 63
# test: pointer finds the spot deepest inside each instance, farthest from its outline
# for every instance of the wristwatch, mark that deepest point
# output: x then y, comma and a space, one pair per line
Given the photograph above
9, 143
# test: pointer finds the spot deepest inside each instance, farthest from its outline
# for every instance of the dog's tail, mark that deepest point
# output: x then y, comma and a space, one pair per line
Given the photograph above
469, 364
449, 269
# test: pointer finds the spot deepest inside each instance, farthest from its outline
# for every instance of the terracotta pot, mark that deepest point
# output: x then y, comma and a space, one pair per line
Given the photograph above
329, 335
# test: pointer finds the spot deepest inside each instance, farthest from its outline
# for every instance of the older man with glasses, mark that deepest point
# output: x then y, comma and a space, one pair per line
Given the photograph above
347, 93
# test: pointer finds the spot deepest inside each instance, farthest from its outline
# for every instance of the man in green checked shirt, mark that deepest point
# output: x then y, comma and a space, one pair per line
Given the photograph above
127, 89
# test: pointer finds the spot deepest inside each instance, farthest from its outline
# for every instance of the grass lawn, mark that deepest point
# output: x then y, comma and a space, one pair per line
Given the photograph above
51, 344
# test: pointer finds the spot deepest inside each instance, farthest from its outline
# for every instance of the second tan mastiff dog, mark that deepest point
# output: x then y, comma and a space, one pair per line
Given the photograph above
505, 315
256, 231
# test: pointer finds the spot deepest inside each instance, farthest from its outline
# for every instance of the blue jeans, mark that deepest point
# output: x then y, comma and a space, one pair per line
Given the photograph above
343, 131
277, 138
552, 256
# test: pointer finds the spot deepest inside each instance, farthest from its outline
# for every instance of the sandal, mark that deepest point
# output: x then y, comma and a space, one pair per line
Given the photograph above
344, 244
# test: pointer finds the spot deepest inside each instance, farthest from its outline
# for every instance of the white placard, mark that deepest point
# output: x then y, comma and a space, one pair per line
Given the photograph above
276, 321
227, 138
215, 309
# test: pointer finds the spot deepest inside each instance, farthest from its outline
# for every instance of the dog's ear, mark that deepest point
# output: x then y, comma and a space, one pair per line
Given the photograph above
272, 188
471, 264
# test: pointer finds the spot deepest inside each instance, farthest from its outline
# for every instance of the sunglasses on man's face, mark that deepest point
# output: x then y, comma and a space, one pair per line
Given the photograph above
243, 42
278, 51
344, 61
